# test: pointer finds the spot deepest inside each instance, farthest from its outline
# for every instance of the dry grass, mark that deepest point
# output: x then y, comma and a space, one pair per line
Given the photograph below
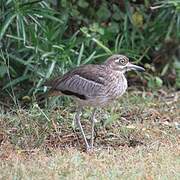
153, 162
138, 139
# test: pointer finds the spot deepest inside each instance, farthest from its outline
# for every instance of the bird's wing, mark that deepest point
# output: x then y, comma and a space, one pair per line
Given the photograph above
83, 82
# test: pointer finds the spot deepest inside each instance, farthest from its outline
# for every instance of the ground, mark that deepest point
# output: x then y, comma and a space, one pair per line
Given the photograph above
136, 138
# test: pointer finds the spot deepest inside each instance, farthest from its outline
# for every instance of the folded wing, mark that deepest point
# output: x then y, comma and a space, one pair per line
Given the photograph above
83, 82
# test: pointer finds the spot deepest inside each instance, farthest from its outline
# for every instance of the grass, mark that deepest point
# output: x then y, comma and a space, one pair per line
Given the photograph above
141, 162
138, 138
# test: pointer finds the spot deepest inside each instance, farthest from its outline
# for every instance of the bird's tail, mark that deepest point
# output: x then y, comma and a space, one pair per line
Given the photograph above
41, 98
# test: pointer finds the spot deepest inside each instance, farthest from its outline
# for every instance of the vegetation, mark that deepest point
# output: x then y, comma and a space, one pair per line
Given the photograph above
125, 163
136, 139
40, 39
139, 138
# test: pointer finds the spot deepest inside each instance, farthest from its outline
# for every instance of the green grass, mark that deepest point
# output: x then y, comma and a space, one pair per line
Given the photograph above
138, 138
42, 39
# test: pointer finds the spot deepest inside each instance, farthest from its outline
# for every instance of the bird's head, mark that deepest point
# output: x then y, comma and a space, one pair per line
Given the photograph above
121, 63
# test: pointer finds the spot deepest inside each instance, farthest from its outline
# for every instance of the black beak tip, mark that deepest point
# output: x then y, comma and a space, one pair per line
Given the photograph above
135, 68
141, 69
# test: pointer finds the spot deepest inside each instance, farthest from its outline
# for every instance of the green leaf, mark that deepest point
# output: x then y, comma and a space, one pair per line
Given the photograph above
95, 27
64, 3
90, 58
114, 27
165, 69
50, 69
80, 54
158, 82
2, 71
83, 4
155, 82
106, 49
75, 12
6, 25
103, 13
21, 61
15, 81
117, 13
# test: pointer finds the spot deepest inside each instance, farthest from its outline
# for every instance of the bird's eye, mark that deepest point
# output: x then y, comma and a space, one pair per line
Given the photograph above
122, 61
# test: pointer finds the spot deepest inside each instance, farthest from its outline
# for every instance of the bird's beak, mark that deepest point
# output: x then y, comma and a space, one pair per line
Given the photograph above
134, 67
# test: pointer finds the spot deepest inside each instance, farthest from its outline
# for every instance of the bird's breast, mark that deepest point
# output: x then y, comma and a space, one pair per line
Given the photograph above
117, 86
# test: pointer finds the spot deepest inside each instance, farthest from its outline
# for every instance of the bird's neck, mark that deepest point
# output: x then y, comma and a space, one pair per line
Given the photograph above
122, 80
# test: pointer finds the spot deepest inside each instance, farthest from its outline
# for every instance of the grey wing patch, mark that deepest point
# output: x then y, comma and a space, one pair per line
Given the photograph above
78, 85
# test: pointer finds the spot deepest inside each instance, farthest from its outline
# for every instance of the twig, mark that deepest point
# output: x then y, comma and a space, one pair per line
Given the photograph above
4, 104
156, 7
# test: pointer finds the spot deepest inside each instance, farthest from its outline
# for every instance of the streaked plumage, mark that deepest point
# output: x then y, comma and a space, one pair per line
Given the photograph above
94, 85
87, 86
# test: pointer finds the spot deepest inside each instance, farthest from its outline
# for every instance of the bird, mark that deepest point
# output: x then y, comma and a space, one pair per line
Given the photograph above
93, 85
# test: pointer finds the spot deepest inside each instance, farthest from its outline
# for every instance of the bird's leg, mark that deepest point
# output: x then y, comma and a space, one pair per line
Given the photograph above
75, 122
93, 120
77, 118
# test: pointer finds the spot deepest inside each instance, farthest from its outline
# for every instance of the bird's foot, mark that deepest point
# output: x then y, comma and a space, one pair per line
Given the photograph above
95, 120
74, 124
89, 149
